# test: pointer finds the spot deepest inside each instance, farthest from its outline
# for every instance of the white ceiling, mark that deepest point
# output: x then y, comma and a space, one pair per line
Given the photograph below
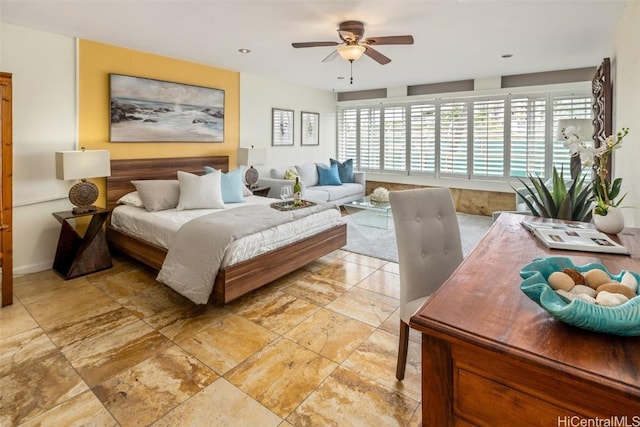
454, 39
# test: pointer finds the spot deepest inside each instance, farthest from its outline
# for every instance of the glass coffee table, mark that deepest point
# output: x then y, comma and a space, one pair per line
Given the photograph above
368, 213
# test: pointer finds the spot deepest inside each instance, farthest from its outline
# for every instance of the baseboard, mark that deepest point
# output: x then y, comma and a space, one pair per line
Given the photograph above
33, 268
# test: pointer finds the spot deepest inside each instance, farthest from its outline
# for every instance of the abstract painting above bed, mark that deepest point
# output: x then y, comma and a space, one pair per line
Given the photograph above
148, 110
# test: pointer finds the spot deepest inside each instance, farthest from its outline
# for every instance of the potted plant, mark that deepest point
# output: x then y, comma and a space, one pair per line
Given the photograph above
606, 215
555, 200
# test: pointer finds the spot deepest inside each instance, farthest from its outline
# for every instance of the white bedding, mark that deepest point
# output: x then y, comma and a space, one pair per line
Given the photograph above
160, 227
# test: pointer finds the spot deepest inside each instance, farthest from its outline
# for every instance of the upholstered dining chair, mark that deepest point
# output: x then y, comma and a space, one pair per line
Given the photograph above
429, 249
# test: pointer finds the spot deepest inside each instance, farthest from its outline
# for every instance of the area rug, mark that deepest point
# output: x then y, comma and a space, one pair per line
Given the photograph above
381, 243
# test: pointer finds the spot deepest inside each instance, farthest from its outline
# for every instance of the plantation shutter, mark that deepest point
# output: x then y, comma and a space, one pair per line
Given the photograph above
395, 139
423, 138
453, 138
528, 126
488, 138
370, 145
567, 107
347, 134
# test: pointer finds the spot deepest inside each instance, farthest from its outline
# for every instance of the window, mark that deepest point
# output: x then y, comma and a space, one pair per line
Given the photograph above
527, 136
395, 139
370, 142
423, 138
478, 138
453, 138
488, 138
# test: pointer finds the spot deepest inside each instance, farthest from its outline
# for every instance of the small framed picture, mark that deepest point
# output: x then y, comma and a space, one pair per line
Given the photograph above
309, 128
281, 127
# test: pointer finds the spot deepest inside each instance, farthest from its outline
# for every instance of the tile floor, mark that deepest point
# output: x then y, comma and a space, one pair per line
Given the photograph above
317, 347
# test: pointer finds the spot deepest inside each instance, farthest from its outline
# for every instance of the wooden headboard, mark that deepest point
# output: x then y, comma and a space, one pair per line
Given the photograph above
124, 171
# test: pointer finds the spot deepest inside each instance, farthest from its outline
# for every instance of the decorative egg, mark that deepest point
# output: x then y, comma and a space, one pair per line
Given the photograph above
583, 289
577, 277
616, 288
629, 280
559, 280
607, 299
596, 277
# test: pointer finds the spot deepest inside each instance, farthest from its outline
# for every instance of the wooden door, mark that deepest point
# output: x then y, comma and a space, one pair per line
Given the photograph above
6, 197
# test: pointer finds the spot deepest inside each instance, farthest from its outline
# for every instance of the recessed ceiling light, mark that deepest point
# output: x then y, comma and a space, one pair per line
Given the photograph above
507, 55
244, 50
340, 77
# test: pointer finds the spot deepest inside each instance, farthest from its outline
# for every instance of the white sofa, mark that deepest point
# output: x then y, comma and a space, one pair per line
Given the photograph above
311, 190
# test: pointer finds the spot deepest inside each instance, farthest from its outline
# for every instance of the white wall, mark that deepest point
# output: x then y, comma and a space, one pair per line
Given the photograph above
259, 95
44, 121
626, 81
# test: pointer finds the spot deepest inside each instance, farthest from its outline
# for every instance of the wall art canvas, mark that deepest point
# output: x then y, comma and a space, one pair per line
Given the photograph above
309, 128
148, 110
281, 127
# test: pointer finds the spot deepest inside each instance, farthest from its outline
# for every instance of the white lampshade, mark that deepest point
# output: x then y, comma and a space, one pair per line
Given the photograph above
82, 164
584, 128
251, 156
351, 52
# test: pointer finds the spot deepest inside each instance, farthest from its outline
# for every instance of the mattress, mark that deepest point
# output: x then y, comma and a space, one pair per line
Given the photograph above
160, 228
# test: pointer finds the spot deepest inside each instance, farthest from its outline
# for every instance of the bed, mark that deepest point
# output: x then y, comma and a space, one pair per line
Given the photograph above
232, 281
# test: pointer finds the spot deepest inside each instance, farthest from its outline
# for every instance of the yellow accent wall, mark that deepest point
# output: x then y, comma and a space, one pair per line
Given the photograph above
97, 60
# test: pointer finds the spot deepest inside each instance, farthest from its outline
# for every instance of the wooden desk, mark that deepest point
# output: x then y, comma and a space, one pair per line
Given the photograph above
492, 357
78, 255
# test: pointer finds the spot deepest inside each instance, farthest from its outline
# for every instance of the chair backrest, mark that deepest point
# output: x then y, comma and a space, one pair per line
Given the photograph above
428, 239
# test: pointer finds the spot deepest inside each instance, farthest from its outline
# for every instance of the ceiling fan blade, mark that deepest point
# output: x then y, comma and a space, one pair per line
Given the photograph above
376, 56
388, 40
331, 56
314, 44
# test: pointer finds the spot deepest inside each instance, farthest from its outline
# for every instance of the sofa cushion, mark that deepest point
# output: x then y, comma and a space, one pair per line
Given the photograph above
336, 192
317, 194
308, 173
328, 176
345, 169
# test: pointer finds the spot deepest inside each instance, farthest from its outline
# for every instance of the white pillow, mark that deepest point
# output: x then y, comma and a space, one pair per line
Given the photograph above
200, 192
158, 194
131, 199
246, 192
308, 174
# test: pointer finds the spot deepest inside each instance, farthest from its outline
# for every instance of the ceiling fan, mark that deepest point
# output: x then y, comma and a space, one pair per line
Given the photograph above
353, 44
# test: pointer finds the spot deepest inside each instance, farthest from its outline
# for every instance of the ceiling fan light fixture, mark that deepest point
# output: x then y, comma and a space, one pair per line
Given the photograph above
351, 52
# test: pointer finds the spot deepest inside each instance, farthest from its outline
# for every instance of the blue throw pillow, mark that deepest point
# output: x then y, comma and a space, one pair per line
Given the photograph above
345, 169
231, 185
329, 176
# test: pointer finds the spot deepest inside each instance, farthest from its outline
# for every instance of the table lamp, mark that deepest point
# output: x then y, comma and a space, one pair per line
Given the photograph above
249, 157
83, 164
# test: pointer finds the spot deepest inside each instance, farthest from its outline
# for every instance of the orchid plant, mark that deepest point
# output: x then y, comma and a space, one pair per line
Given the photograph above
605, 192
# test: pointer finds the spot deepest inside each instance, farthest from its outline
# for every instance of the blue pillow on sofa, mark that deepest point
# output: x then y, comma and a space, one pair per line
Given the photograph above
329, 176
345, 169
231, 185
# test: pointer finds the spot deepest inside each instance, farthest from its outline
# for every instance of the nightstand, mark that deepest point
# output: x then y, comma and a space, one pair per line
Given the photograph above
78, 255
260, 191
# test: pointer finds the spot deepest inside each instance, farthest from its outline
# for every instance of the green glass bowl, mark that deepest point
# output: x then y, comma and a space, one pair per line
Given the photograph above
620, 320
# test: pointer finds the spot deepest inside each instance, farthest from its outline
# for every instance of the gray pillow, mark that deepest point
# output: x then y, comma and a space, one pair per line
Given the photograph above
308, 174
158, 194
200, 192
